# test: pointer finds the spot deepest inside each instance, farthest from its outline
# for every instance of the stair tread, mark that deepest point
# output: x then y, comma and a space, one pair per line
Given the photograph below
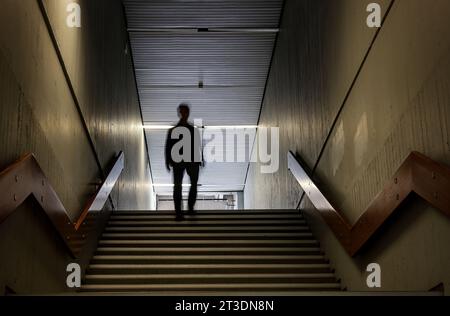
211, 228
191, 222
206, 265
207, 234
248, 211
234, 257
208, 216
213, 286
205, 249
206, 242
209, 275
225, 293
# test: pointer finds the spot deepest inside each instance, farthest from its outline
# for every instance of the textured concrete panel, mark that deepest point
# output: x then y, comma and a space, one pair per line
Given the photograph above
403, 93
98, 60
319, 50
399, 103
400, 95
39, 114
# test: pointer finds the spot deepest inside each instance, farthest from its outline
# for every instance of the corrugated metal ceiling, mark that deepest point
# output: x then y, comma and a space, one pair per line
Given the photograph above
203, 13
171, 58
218, 59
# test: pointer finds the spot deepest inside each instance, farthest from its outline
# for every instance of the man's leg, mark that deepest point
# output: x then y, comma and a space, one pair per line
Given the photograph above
193, 171
178, 173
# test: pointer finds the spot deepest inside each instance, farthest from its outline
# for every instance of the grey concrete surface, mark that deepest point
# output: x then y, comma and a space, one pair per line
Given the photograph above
40, 114
399, 103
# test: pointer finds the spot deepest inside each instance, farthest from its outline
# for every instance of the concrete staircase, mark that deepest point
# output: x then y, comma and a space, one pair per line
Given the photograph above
212, 252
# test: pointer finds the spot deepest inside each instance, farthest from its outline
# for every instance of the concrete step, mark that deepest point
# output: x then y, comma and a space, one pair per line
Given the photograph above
208, 250
238, 287
207, 268
211, 212
208, 243
203, 236
229, 278
210, 229
213, 223
192, 259
261, 251
259, 293
238, 216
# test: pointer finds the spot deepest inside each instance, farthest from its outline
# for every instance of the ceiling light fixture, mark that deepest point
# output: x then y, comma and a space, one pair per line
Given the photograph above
168, 185
165, 127
158, 127
232, 127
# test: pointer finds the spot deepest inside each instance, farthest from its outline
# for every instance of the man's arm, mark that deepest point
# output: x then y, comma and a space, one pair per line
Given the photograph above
198, 147
168, 149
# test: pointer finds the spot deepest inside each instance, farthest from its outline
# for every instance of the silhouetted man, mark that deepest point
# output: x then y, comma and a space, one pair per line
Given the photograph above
183, 153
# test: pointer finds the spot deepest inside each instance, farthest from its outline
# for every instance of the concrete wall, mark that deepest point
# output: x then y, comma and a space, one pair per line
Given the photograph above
397, 103
75, 123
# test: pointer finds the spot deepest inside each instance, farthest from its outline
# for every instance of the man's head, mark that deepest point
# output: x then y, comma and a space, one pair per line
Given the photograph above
183, 112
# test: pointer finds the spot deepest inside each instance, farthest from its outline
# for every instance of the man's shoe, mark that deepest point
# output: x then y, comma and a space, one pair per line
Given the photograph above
179, 218
191, 212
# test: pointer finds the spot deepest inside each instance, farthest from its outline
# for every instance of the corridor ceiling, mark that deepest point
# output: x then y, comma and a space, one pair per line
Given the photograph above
212, 54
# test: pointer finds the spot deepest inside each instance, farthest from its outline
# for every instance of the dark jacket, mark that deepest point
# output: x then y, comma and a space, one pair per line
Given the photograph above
176, 135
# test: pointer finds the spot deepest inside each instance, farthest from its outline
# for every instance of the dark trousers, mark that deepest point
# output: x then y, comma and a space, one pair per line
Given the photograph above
192, 170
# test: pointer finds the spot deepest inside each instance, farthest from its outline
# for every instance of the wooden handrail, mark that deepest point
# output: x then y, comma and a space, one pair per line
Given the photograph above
418, 174
25, 177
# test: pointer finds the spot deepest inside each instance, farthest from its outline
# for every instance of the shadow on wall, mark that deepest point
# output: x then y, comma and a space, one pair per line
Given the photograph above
33, 256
